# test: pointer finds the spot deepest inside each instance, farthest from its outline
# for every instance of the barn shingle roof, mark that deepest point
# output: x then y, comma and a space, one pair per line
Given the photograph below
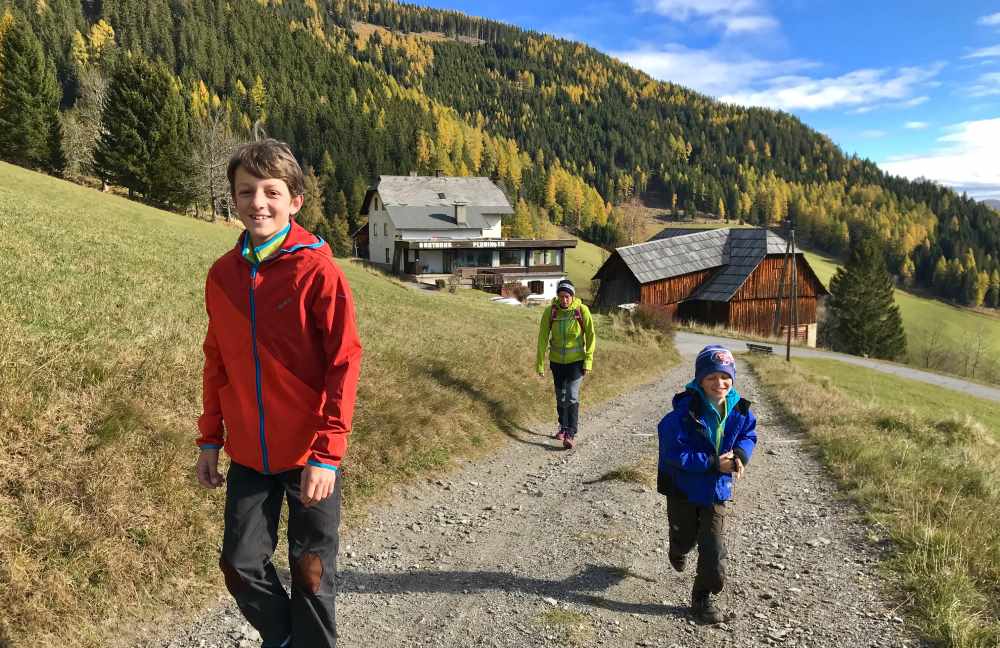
737, 251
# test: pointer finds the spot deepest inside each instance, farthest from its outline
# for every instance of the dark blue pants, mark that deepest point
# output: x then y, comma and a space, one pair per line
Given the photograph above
567, 379
307, 619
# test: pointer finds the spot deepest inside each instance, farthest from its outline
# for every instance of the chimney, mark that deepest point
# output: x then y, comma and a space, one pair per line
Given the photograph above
460, 218
438, 173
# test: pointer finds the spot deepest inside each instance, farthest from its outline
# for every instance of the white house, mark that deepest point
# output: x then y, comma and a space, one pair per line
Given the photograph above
431, 227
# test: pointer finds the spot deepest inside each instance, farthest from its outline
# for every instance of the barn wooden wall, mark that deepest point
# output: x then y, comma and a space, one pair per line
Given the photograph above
674, 289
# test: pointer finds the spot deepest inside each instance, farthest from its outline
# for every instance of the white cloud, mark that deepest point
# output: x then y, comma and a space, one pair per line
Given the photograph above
748, 24
987, 85
916, 125
986, 52
688, 9
860, 89
992, 20
781, 84
910, 103
707, 71
966, 159
732, 16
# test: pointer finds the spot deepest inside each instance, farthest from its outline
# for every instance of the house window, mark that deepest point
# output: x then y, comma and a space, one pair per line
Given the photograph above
387, 260
385, 229
473, 259
545, 257
511, 257
536, 287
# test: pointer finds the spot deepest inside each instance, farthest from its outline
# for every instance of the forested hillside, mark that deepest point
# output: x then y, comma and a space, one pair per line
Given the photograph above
365, 87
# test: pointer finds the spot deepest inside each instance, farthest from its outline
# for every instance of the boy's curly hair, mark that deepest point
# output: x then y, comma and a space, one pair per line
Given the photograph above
267, 158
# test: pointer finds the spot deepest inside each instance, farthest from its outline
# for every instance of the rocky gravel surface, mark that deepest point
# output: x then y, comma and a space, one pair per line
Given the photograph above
531, 547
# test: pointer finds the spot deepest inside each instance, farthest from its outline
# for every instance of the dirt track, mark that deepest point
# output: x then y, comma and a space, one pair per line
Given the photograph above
532, 548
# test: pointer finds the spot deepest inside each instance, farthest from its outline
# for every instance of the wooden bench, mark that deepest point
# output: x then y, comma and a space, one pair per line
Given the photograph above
759, 348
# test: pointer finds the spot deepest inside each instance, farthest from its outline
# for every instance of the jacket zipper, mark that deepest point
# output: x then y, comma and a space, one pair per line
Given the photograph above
256, 366
708, 437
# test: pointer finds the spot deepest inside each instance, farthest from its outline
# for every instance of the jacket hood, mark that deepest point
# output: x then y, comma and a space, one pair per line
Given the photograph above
692, 391
576, 303
298, 238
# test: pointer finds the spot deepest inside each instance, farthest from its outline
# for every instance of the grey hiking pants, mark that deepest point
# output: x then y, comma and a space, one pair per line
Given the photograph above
567, 379
704, 525
253, 508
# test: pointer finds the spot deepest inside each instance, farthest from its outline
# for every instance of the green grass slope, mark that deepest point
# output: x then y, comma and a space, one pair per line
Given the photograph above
101, 320
957, 328
582, 262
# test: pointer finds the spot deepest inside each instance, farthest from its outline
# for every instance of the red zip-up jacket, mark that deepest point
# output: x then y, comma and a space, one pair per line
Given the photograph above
282, 357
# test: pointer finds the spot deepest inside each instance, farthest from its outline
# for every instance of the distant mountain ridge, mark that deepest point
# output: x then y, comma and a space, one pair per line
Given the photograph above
380, 87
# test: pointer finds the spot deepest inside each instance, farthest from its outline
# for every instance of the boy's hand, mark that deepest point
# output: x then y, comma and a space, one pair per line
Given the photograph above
738, 473
727, 462
316, 484
207, 469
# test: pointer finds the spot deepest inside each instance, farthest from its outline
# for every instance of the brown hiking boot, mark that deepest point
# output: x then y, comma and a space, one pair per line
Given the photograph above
705, 610
677, 562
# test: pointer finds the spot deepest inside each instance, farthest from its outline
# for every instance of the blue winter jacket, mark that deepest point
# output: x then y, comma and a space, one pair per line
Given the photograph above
689, 462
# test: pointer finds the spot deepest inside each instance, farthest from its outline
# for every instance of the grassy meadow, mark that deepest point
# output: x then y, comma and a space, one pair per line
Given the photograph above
952, 330
582, 262
102, 526
922, 462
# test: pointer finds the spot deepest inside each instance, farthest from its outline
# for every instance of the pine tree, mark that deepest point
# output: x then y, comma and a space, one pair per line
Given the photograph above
340, 237
146, 142
30, 134
863, 316
311, 213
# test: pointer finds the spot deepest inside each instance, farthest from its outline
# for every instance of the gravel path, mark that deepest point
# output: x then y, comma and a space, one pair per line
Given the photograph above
532, 548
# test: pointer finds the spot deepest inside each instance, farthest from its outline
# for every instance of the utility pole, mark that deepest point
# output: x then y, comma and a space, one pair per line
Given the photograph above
789, 280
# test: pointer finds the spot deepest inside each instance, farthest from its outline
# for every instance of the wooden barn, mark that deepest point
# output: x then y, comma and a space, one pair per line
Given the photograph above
727, 277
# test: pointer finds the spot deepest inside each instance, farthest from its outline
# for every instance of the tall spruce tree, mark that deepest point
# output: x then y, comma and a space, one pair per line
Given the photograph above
862, 314
146, 142
30, 133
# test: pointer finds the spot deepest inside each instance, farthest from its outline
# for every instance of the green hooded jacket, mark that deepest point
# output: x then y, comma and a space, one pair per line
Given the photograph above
567, 340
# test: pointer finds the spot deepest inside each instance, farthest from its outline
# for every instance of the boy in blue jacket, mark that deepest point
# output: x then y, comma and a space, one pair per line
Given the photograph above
704, 442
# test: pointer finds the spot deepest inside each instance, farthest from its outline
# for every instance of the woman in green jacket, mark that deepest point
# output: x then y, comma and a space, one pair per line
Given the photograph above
567, 329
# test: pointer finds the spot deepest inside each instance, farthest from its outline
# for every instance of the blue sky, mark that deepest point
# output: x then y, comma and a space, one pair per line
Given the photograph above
914, 86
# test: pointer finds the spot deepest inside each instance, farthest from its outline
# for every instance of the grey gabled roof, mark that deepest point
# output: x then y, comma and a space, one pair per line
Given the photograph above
435, 218
428, 202
736, 251
671, 257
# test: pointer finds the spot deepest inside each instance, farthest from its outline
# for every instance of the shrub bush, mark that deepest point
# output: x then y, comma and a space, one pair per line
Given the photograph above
655, 318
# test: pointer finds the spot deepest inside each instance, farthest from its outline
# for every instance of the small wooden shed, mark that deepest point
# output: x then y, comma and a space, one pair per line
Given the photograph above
727, 277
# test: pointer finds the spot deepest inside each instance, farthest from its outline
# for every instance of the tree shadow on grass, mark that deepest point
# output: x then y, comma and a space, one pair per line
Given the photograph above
499, 411
582, 589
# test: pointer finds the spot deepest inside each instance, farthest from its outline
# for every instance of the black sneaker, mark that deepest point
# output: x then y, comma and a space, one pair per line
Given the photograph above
677, 562
705, 610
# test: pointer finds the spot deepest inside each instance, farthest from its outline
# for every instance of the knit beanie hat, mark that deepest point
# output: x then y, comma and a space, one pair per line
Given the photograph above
714, 358
566, 286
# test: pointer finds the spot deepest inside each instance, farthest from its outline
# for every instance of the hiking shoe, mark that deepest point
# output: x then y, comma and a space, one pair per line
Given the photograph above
677, 562
569, 441
705, 610
561, 434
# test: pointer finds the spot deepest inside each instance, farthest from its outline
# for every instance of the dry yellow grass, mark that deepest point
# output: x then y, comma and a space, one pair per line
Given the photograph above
922, 462
102, 526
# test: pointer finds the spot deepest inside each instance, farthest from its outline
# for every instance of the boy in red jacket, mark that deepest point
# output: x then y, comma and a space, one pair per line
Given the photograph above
282, 359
